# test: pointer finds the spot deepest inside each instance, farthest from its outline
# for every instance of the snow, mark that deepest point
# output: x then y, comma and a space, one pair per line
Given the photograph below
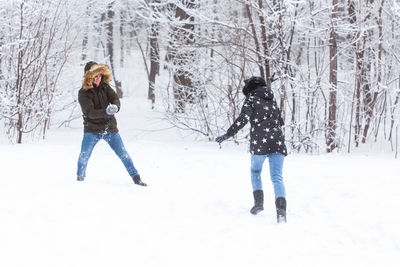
342, 208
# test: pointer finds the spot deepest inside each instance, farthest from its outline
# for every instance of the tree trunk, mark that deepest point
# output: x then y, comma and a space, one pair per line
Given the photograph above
265, 46
182, 36
331, 129
122, 39
85, 38
110, 46
372, 96
393, 109
358, 76
352, 19
255, 38
281, 39
154, 58
20, 72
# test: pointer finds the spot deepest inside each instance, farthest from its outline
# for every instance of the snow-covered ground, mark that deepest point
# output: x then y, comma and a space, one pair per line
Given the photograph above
343, 210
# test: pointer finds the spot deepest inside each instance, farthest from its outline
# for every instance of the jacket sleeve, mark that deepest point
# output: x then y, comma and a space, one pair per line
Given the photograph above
113, 97
88, 109
244, 117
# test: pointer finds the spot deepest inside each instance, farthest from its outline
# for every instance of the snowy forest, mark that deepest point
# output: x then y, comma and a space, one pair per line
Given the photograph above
334, 66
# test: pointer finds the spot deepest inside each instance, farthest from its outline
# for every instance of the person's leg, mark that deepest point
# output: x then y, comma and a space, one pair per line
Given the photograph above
88, 142
257, 162
275, 168
115, 142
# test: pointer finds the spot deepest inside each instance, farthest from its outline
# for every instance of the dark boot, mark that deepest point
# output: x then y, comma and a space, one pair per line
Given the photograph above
280, 204
258, 202
138, 181
81, 178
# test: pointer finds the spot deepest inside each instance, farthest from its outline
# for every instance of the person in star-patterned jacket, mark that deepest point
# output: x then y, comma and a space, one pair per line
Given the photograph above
266, 141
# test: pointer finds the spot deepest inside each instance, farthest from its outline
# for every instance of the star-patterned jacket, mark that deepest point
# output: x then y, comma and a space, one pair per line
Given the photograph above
261, 110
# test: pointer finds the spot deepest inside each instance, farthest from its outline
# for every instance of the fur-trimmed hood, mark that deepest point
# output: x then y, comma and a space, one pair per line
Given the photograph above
95, 70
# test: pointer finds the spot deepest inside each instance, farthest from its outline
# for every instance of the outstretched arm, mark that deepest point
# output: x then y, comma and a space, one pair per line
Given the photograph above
240, 122
243, 118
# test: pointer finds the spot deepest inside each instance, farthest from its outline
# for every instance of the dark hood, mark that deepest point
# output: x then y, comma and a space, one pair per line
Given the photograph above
263, 92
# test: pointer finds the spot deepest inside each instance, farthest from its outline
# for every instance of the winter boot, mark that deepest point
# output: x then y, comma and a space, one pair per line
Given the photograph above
138, 181
80, 178
280, 204
258, 202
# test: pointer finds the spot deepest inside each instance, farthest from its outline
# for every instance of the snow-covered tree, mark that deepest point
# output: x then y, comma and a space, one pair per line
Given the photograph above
35, 47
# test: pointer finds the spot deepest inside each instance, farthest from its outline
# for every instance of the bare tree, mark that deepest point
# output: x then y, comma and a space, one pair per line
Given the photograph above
154, 52
181, 53
85, 37
333, 69
110, 46
36, 67
370, 94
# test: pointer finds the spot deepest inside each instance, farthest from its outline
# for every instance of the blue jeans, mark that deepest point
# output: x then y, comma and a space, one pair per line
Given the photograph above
275, 169
115, 142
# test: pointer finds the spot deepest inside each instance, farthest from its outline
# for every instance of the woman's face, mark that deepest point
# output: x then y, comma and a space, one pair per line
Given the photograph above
97, 80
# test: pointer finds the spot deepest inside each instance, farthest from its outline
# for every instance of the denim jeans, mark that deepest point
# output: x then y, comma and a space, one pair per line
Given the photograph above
115, 142
275, 169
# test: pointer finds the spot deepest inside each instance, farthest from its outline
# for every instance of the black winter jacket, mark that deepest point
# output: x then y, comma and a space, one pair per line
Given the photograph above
266, 134
93, 102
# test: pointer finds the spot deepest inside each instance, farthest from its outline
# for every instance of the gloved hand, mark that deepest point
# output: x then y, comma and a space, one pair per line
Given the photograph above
221, 138
111, 109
